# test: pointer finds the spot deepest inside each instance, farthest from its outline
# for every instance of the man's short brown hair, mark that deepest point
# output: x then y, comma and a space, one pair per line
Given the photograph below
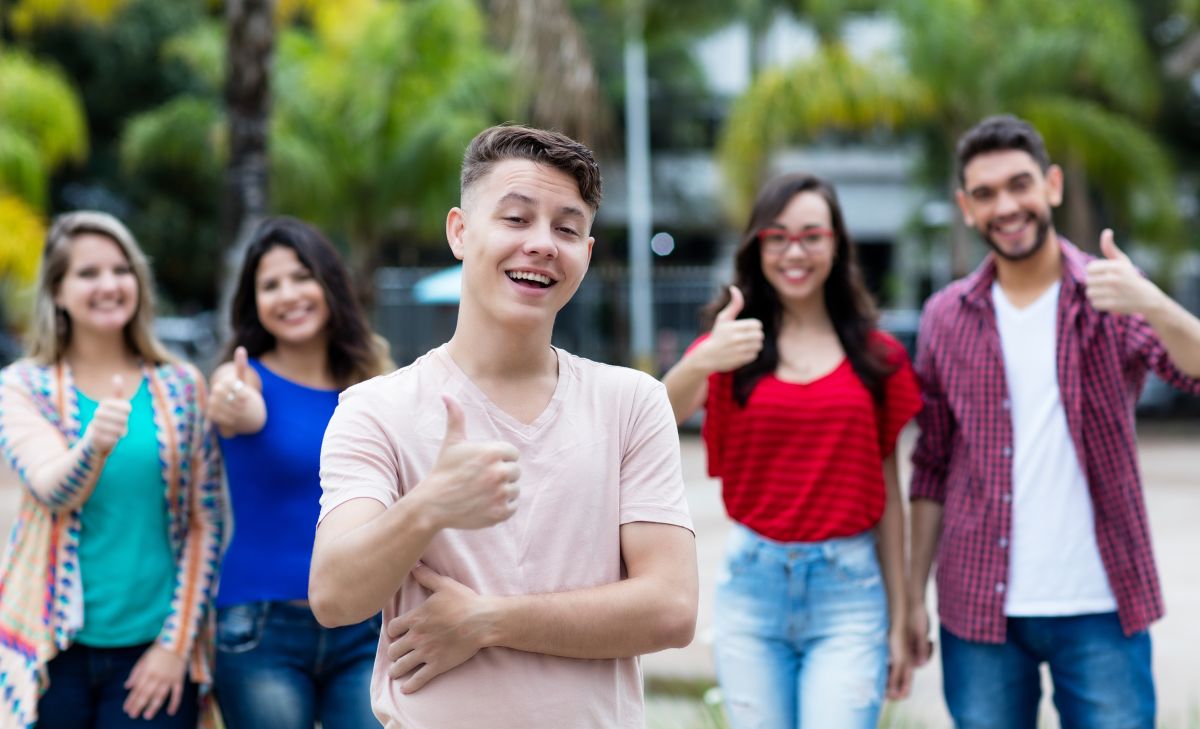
513, 141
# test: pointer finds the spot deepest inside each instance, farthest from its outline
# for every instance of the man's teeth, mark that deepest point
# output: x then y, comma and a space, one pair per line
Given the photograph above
529, 276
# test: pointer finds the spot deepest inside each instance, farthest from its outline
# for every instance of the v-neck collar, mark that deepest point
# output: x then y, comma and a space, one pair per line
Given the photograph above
498, 415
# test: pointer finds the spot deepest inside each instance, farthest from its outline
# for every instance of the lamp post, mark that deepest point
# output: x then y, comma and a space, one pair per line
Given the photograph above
637, 166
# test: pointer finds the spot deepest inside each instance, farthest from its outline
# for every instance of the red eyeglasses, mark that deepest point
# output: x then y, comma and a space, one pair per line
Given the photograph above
778, 240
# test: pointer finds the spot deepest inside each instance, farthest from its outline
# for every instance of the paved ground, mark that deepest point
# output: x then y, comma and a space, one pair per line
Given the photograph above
1170, 459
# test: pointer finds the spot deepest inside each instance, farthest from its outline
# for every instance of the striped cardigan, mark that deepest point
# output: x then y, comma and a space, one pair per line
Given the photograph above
41, 595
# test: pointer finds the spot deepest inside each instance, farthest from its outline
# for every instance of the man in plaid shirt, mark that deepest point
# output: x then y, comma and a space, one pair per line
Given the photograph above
1025, 477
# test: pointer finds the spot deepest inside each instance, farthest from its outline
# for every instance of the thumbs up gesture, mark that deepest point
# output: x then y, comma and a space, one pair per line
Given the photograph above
234, 403
1115, 285
733, 342
111, 420
473, 484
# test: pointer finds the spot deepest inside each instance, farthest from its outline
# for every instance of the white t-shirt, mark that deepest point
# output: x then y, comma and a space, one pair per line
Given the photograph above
1054, 564
605, 452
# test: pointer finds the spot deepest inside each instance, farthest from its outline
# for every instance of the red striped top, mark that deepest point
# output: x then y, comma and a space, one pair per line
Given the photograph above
803, 462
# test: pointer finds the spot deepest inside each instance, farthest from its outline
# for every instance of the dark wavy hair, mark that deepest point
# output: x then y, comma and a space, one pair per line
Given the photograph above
355, 353
847, 300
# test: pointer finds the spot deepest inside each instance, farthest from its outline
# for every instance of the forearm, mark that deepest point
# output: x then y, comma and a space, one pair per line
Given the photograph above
926, 531
1179, 331
687, 385
890, 547
355, 573
627, 618
66, 481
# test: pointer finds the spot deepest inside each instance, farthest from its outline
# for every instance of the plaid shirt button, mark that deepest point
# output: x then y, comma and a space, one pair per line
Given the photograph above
1003, 543
999, 587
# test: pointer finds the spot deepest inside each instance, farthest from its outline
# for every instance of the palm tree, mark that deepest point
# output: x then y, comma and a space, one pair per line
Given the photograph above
374, 103
1077, 69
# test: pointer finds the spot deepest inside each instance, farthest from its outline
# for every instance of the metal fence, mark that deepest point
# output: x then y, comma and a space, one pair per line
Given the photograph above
595, 324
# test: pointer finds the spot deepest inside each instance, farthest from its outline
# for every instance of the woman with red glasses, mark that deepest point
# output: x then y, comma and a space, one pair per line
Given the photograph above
804, 400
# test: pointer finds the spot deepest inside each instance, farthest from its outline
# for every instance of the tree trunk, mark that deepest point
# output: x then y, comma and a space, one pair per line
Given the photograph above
251, 43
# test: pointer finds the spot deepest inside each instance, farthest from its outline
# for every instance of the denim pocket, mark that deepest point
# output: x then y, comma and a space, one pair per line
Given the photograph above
857, 562
240, 627
741, 552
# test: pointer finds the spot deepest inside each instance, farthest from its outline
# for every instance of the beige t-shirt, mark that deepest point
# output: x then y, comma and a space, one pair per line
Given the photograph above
605, 452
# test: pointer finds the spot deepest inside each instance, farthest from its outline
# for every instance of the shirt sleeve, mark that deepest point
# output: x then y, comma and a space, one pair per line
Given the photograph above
651, 473
1146, 348
931, 456
901, 398
358, 459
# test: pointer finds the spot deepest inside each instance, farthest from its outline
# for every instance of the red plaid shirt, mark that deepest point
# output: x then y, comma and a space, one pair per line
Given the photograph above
963, 458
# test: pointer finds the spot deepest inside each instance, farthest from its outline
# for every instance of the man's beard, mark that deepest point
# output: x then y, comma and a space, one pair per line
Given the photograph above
1043, 231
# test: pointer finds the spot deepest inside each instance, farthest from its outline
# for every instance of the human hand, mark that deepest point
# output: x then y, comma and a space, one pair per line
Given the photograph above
1115, 285
900, 666
472, 484
227, 400
733, 342
440, 634
920, 647
111, 421
157, 677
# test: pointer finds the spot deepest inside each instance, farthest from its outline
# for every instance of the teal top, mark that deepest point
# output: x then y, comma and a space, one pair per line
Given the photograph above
125, 558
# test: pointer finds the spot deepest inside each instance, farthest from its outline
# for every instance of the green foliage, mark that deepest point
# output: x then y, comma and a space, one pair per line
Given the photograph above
42, 125
372, 106
828, 92
1078, 69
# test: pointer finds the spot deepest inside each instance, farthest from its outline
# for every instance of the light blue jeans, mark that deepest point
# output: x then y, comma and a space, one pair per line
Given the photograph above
801, 633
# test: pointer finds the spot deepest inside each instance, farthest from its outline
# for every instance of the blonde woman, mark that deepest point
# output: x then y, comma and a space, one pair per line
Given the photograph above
107, 582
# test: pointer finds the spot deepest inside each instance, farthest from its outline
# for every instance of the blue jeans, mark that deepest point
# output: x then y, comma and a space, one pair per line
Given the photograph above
801, 633
1102, 679
87, 691
278, 668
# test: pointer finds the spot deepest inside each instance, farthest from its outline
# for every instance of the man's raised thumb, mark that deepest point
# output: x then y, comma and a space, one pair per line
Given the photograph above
734, 307
1108, 246
456, 425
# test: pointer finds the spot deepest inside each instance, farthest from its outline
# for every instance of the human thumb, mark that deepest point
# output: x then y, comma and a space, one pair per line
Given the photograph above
1109, 248
118, 387
734, 307
456, 426
241, 363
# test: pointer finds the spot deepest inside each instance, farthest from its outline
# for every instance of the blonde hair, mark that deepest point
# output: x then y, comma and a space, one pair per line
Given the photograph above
50, 334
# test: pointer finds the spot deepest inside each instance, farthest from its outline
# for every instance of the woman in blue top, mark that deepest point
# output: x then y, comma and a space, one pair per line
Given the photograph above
299, 338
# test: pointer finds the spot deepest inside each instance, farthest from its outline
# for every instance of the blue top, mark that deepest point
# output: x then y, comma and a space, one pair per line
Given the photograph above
275, 491
125, 559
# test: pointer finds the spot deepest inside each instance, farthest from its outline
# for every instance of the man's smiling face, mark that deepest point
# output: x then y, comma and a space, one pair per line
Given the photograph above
1006, 197
523, 237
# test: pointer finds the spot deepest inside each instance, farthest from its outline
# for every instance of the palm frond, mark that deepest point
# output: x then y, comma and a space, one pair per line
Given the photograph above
184, 135
557, 84
1123, 159
830, 92
21, 170
38, 102
202, 50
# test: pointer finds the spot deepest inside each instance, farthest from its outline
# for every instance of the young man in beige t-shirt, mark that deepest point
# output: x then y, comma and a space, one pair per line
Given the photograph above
516, 512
